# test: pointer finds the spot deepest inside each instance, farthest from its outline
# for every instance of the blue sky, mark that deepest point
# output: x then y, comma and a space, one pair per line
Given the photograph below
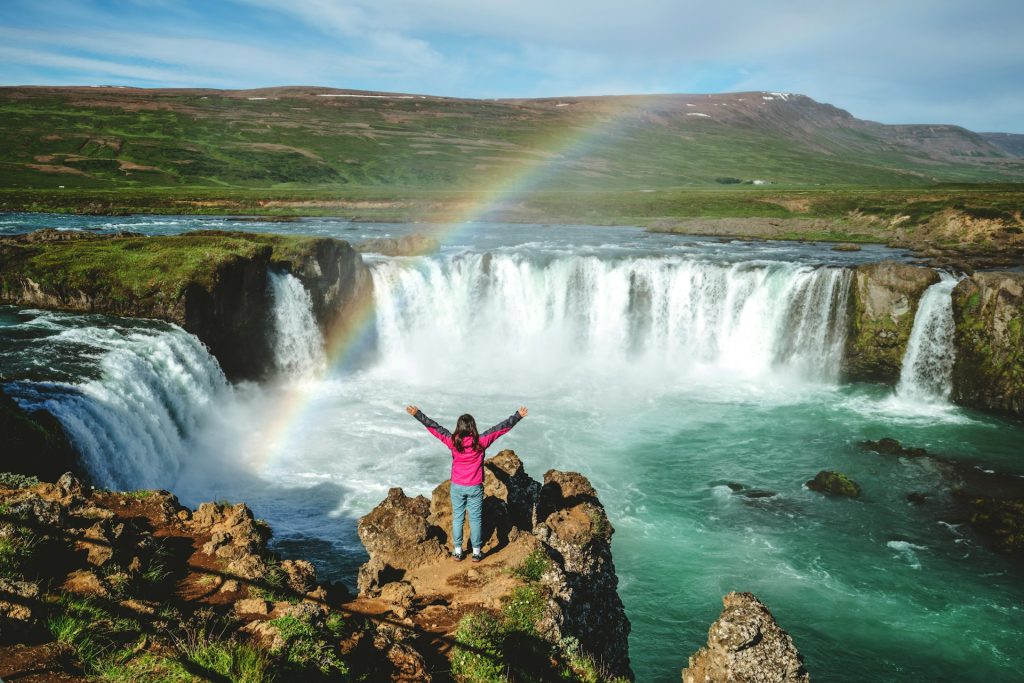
895, 61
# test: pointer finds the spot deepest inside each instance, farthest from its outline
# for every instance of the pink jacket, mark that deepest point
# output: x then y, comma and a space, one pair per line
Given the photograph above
467, 464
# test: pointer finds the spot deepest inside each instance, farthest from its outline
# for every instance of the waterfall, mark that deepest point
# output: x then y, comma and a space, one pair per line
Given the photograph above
298, 345
670, 314
926, 373
131, 422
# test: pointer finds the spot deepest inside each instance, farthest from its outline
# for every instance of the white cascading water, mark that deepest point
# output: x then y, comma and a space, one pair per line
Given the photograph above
131, 424
926, 374
665, 314
298, 345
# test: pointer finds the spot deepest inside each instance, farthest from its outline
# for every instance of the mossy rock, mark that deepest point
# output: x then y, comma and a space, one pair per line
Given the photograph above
834, 483
988, 310
883, 302
1000, 521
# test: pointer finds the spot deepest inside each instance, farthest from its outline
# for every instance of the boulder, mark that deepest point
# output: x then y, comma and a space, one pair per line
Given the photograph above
300, 575
397, 533
884, 299
1000, 521
746, 644
18, 605
834, 483
888, 446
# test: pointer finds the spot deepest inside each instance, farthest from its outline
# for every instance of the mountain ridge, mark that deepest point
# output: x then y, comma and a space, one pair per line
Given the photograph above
308, 136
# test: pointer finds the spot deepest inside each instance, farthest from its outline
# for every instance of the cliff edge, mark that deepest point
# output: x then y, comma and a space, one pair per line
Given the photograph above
213, 284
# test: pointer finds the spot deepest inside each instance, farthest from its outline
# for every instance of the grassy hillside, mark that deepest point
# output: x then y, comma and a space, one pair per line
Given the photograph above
328, 140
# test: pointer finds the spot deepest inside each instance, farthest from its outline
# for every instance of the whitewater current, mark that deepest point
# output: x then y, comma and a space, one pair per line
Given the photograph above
666, 371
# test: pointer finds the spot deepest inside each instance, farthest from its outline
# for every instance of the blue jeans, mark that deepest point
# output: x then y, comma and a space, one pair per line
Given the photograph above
471, 497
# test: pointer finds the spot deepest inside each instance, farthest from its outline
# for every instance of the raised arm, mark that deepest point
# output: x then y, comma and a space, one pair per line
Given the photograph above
437, 430
492, 434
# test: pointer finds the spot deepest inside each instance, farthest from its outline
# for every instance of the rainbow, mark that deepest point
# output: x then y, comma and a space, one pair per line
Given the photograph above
351, 332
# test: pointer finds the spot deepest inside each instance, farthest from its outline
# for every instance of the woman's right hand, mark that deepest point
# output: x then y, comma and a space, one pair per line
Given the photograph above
523, 411
412, 410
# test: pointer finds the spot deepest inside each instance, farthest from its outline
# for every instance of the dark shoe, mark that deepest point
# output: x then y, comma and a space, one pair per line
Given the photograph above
458, 557
477, 557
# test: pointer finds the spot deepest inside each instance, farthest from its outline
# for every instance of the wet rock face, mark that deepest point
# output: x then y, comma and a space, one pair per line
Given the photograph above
988, 310
746, 644
884, 300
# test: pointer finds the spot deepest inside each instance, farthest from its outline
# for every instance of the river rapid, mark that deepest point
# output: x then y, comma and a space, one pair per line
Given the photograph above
667, 369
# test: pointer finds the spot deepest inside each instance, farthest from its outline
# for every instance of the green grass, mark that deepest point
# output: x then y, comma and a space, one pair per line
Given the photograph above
149, 140
151, 272
306, 650
533, 566
17, 481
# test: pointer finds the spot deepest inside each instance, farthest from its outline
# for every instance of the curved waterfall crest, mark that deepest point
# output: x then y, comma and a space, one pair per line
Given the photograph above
747, 318
131, 424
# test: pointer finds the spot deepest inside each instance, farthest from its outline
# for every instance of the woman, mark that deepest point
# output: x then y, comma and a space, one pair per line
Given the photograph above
467, 446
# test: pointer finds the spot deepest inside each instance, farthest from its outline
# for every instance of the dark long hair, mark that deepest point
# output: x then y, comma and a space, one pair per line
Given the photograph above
466, 426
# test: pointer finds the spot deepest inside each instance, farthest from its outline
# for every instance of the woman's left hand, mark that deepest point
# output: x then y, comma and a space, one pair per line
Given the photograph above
412, 410
523, 411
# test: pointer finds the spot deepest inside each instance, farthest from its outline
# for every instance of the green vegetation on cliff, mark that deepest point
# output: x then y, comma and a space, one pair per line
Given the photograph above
132, 269
988, 310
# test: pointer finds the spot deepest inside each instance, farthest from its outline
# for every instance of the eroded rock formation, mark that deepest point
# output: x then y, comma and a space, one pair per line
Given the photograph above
222, 297
884, 299
988, 309
746, 644
560, 525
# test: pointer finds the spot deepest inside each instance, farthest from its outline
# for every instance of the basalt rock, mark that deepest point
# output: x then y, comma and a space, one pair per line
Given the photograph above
572, 524
1000, 521
988, 310
562, 520
834, 483
884, 300
746, 644
888, 446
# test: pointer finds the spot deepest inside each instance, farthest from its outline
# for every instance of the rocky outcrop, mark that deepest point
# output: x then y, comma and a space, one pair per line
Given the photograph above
214, 284
884, 300
834, 483
125, 580
558, 529
746, 644
988, 310
584, 603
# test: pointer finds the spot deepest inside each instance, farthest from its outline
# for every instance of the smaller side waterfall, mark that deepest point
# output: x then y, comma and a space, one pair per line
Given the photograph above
298, 344
927, 370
